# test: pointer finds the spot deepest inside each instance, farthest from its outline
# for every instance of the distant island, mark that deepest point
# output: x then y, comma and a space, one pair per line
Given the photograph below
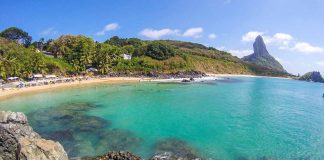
80, 55
312, 77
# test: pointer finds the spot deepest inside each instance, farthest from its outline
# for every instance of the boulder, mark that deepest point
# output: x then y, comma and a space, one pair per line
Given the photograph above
19, 141
115, 155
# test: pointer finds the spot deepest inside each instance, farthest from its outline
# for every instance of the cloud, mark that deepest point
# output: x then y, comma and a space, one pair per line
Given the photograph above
306, 48
107, 28
279, 39
320, 63
221, 48
212, 36
250, 36
157, 34
48, 31
241, 53
193, 32
283, 41
281, 60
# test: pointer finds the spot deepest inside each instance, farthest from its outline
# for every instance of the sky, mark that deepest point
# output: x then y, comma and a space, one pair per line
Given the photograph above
293, 30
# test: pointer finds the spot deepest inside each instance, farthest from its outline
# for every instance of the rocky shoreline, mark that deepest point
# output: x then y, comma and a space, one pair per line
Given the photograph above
159, 75
18, 140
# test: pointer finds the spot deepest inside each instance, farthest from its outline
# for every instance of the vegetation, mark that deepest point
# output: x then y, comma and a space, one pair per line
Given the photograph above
17, 35
71, 54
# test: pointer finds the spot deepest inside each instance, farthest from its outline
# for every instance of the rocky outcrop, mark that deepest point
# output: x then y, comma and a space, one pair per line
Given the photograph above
19, 141
312, 77
115, 155
262, 58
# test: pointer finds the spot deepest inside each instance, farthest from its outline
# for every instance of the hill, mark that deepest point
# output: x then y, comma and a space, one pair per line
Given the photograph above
73, 55
262, 58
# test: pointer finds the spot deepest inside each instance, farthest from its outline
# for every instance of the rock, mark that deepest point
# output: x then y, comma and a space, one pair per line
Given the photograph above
163, 156
115, 155
19, 141
262, 58
9, 145
185, 80
174, 149
312, 77
117, 139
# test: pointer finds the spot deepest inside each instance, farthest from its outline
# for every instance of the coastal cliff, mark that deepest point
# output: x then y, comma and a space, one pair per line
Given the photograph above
19, 141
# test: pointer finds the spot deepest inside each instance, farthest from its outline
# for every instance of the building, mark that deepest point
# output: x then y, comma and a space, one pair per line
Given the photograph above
127, 56
37, 77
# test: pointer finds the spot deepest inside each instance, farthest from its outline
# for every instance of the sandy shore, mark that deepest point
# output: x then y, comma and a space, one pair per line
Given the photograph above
241, 75
113, 80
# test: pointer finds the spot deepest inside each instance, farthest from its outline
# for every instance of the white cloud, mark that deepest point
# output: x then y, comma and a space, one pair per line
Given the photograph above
283, 41
279, 39
306, 48
49, 31
212, 36
157, 34
107, 28
321, 63
221, 48
241, 53
250, 36
193, 32
281, 60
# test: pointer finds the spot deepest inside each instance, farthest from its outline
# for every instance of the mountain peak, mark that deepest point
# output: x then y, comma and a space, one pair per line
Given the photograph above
259, 46
261, 56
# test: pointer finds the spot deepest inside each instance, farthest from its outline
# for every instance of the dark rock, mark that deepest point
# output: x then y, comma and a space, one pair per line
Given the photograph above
185, 80
62, 135
312, 77
174, 149
19, 141
261, 57
9, 145
115, 155
117, 139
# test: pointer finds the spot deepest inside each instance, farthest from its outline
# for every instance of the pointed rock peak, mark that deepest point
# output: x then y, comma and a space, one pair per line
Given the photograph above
261, 56
259, 46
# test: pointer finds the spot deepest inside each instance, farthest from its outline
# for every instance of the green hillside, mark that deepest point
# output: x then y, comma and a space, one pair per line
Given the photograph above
72, 55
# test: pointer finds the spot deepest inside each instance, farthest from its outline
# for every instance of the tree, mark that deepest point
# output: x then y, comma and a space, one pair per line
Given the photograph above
116, 41
77, 50
159, 50
17, 35
107, 56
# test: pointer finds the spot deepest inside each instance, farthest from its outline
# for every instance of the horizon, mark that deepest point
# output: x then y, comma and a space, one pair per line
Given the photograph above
291, 30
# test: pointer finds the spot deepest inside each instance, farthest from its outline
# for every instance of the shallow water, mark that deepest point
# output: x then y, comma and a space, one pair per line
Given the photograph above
242, 118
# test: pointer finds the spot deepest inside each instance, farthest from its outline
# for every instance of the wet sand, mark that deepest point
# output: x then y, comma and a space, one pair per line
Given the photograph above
113, 80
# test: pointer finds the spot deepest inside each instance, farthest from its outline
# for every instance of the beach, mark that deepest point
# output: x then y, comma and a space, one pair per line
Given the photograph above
27, 90
111, 80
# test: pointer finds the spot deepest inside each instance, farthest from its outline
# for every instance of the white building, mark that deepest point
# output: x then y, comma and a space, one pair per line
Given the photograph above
127, 56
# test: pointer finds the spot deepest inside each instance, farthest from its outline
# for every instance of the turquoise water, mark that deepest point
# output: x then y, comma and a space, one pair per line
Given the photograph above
240, 118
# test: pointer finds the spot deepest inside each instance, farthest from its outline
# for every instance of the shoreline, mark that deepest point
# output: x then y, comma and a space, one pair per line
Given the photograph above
35, 89
111, 80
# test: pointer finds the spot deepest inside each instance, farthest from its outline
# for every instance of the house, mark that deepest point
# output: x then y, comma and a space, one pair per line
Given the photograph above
13, 79
127, 56
91, 70
50, 76
37, 76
